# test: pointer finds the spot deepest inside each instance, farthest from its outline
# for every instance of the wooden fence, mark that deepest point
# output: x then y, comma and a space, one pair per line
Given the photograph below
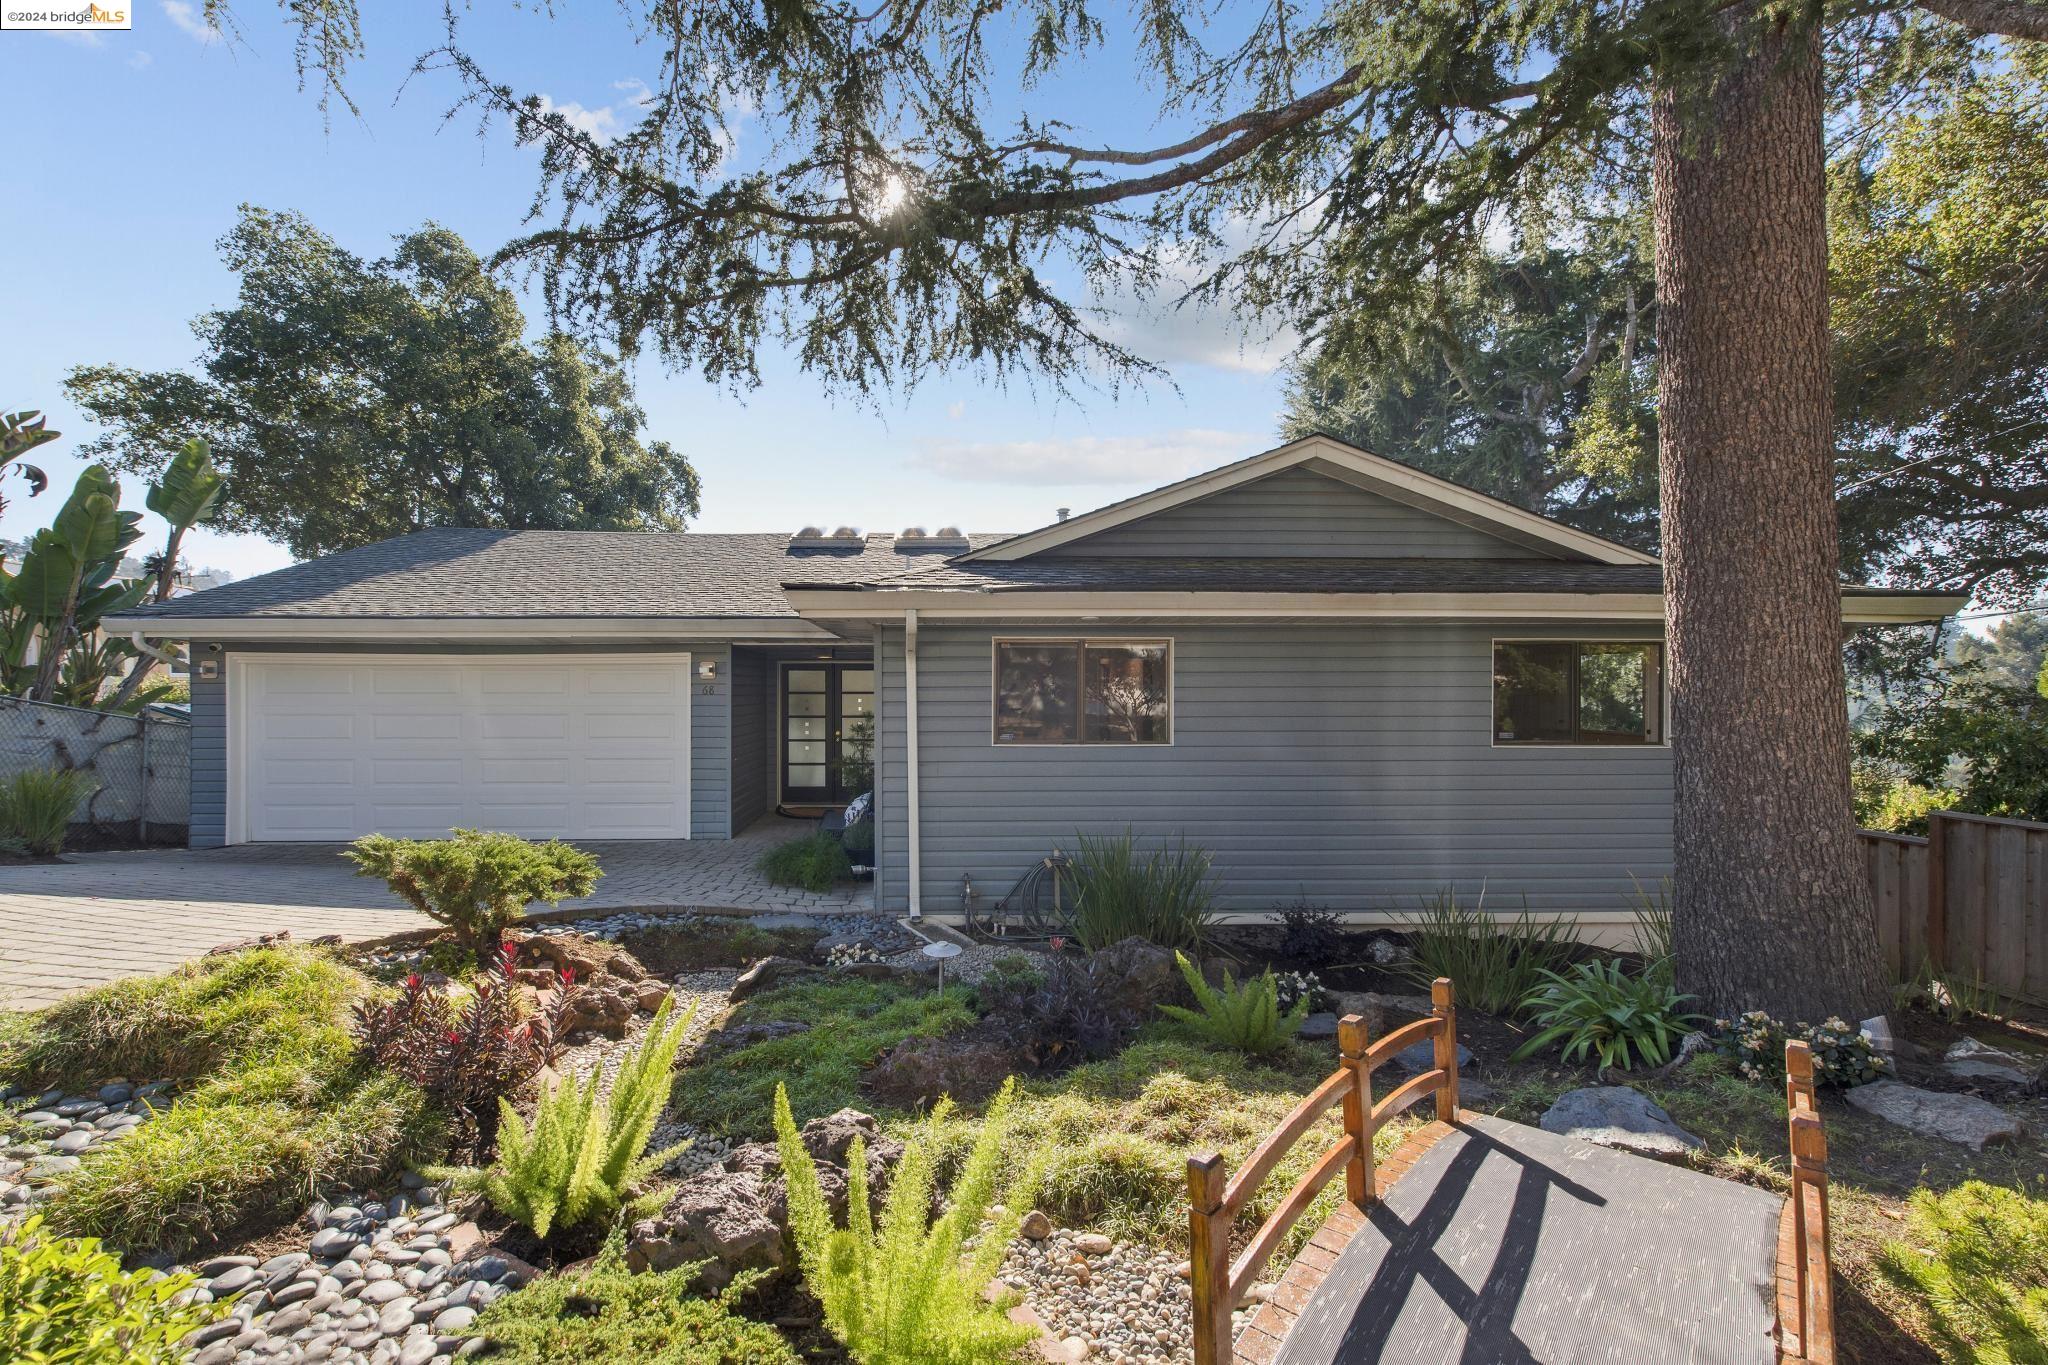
1970, 899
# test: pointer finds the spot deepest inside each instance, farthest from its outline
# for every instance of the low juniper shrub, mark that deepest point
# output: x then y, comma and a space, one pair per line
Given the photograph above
477, 881
465, 1053
1842, 1056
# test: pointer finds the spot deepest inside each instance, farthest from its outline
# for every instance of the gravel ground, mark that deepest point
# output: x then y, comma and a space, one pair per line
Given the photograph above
1106, 1302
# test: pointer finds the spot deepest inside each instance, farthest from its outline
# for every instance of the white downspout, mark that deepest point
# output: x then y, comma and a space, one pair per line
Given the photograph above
910, 760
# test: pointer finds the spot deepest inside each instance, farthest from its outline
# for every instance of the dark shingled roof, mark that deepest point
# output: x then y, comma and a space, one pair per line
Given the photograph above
454, 572
1237, 574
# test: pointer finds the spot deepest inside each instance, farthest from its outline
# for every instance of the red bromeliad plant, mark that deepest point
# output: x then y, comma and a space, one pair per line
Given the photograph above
465, 1053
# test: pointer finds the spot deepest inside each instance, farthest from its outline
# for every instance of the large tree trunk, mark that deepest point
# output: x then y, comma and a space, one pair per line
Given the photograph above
1773, 911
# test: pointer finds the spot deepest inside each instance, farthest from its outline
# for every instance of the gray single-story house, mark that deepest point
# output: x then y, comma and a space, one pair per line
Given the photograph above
1351, 681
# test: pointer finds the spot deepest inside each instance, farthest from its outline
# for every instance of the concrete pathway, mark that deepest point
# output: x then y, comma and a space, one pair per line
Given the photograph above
98, 916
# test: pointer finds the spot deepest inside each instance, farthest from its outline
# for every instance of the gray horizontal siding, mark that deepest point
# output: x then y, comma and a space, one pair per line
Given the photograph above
1351, 763
750, 742
1297, 512
710, 726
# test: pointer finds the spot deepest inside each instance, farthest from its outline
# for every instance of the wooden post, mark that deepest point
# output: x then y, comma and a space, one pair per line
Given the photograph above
1360, 1186
1937, 889
1812, 1261
1445, 1007
1209, 1261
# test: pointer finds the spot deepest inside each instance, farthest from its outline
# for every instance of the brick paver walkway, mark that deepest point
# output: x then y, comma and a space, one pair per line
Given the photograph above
98, 916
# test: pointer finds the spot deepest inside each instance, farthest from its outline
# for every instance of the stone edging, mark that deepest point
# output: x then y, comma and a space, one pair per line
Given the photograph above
1260, 1340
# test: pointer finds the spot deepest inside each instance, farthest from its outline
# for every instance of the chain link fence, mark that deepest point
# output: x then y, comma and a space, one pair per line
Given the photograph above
143, 764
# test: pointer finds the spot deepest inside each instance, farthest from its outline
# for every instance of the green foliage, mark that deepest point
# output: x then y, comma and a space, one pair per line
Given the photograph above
1987, 740
585, 1152
66, 1301
607, 1313
1895, 804
476, 882
903, 1291
1495, 964
1975, 1263
1603, 1010
1245, 1017
65, 584
1953, 996
1938, 253
1654, 926
816, 862
849, 1025
1164, 897
273, 1099
350, 400
1755, 1043
36, 806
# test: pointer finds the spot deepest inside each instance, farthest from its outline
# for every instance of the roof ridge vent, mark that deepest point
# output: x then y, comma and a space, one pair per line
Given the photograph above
913, 533
947, 538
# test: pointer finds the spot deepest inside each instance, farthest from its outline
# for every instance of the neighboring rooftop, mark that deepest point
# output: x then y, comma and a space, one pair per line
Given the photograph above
459, 573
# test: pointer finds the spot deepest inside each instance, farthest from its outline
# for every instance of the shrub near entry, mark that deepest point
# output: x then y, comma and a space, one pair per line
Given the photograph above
476, 882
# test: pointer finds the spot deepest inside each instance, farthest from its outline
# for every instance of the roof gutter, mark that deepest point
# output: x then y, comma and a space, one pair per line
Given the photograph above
390, 629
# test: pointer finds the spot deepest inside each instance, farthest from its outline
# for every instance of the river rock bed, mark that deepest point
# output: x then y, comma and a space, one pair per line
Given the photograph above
382, 1282
1105, 1301
57, 1130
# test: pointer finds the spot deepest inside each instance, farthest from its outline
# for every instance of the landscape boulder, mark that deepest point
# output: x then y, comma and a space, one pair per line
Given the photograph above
1971, 1060
1624, 1119
1963, 1119
769, 972
607, 985
736, 1216
1136, 975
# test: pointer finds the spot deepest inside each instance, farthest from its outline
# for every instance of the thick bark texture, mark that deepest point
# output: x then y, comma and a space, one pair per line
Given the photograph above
1773, 911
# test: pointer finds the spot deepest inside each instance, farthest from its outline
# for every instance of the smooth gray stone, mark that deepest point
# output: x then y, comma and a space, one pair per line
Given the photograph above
382, 1291
454, 1319
293, 1291
1624, 1119
1961, 1119
1420, 1057
418, 1351
210, 1333
221, 1265
1321, 1024
71, 1144
287, 1321
120, 1092
232, 1281
396, 1317
1975, 1061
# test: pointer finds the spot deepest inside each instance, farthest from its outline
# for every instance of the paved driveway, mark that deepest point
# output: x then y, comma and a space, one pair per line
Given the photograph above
98, 916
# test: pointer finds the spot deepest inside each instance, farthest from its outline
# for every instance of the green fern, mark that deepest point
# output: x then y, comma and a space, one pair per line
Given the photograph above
584, 1152
1244, 1017
907, 1292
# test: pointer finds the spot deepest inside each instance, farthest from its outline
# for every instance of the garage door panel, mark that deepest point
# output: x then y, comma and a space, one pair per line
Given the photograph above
417, 746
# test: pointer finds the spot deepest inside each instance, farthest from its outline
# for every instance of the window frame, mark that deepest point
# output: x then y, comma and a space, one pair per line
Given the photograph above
1081, 643
1663, 740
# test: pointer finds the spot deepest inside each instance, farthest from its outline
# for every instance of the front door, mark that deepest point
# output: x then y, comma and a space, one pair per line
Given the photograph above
828, 732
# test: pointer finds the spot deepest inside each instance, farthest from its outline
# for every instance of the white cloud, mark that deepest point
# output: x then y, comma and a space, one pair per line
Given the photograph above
601, 123
956, 409
1164, 327
189, 20
140, 60
1158, 458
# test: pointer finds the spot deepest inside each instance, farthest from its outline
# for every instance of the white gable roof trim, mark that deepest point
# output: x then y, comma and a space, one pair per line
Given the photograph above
1360, 468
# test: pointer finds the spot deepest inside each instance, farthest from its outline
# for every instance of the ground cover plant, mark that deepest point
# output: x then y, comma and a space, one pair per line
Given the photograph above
1164, 897
607, 1313
585, 1152
274, 1097
819, 1037
816, 862
904, 1290
476, 882
68, 1299
1246, 1017
1975, 1261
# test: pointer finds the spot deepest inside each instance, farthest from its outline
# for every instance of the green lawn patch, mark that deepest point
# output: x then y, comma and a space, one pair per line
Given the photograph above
852, 1024
274, 1100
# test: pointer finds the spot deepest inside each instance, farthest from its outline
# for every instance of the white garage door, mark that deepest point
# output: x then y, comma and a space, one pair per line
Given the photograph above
328, 747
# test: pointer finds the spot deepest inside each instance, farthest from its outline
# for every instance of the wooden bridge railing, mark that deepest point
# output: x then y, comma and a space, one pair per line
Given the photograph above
1216, 1198
1808, 1334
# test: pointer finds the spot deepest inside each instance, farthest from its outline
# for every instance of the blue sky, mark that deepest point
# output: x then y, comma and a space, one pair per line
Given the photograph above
131, 151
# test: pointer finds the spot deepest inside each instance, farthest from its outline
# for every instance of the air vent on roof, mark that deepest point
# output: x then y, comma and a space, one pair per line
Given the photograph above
913, 533
814, 537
